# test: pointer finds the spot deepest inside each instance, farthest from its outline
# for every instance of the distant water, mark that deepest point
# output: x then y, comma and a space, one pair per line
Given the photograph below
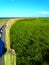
7, 17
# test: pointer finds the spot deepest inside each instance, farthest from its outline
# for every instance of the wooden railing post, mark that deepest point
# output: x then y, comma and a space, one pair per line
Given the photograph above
10, 57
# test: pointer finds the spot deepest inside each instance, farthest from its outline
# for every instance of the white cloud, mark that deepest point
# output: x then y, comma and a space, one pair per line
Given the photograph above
44, 12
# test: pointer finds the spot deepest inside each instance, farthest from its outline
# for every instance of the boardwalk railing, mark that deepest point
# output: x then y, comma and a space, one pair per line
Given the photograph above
9, 57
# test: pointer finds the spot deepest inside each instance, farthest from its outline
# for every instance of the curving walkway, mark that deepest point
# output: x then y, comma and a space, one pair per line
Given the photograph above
9, 57
8, 26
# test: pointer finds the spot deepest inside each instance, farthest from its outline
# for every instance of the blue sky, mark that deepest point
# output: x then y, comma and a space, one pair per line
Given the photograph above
24, 8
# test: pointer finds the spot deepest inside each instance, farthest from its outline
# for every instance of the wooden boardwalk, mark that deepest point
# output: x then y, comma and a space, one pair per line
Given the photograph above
9, 57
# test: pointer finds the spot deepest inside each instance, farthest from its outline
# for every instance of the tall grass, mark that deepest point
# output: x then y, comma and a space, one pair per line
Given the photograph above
30, 39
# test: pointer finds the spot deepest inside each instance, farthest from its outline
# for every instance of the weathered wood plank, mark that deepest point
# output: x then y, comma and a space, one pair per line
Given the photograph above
10, 57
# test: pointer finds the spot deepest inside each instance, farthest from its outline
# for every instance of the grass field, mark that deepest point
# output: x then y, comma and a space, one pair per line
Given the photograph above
30, 39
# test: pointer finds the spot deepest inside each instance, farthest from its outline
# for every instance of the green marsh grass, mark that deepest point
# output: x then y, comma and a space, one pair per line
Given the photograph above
30, 39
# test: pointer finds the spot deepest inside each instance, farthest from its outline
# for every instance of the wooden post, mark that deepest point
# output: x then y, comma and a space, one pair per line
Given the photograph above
10, 57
